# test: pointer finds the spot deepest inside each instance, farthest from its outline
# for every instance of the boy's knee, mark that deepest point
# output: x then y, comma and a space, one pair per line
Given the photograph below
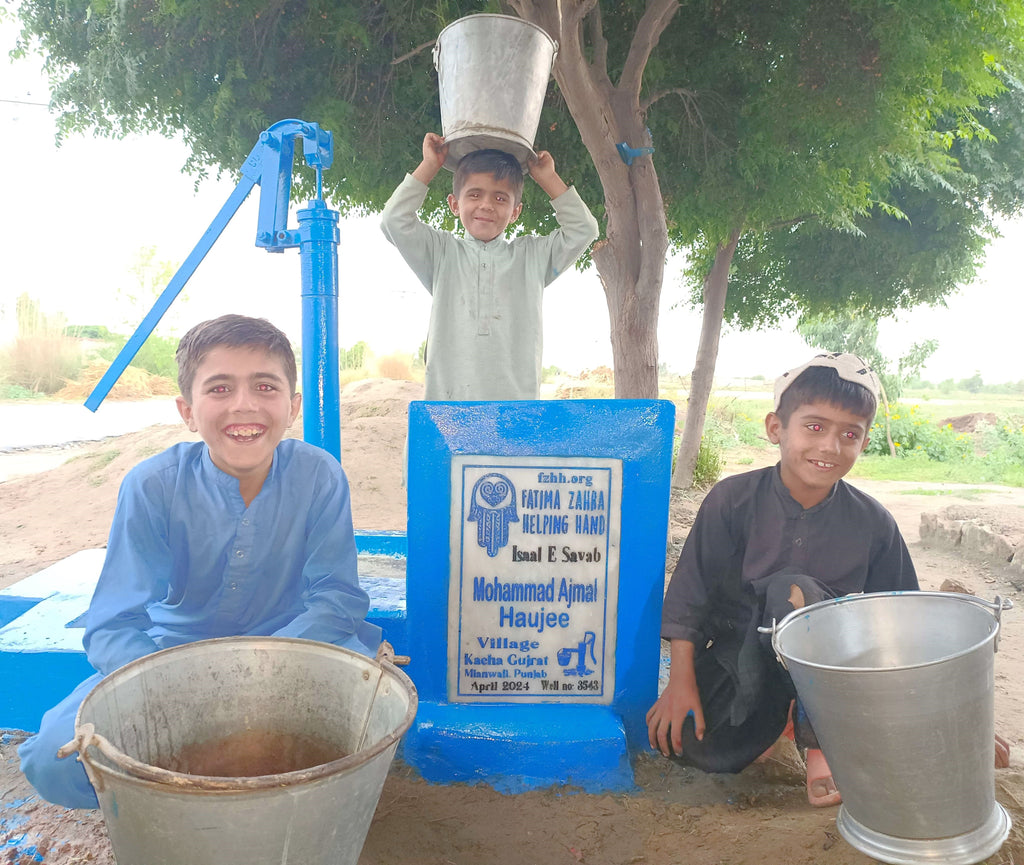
61, 781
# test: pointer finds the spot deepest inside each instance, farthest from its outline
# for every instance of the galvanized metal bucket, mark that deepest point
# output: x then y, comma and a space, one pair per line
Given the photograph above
492, 73
147, 715
899, 689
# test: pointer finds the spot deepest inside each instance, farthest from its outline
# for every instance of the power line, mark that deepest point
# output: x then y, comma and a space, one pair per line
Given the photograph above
25, 102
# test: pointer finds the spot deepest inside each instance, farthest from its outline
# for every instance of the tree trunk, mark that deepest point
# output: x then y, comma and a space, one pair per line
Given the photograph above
716, 284
630, 260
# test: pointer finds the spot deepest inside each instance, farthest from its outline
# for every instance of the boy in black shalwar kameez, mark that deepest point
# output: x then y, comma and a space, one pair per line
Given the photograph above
763, 544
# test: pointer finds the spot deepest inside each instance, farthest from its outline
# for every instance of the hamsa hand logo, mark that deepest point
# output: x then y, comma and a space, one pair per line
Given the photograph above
492, 508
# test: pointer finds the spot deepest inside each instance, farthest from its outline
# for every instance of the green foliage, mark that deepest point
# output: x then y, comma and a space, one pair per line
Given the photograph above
858, 334
732, 421
708, 468
913, 434
922, 234
88, 331
155, 356
17, 391
920, 468
354, 357
834, 118
759, 112
1004, 441
972, 384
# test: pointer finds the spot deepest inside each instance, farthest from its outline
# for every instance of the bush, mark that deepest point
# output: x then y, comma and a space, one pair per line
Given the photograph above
42, 363
395, 366
155, 356
915, 434
709, 464
708, 468
1003, 443
16, 391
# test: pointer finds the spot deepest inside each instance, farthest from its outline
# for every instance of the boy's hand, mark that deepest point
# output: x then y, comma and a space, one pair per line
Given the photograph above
666, 717
542, 169
435, 151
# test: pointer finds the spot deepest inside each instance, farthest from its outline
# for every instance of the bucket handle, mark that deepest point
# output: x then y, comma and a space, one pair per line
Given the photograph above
996, 607
386, 652
436, 52
773, 630
85, 736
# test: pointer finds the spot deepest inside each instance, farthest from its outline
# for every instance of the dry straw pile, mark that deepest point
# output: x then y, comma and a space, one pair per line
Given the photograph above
133, 384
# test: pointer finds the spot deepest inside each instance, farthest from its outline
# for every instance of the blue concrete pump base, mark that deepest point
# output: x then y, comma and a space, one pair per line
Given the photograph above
481, 744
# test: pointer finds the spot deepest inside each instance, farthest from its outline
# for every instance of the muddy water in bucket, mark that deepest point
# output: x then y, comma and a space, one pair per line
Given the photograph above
899, 689
492, 74
243, 751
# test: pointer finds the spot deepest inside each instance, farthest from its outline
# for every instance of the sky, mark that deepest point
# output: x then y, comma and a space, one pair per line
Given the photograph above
75, 218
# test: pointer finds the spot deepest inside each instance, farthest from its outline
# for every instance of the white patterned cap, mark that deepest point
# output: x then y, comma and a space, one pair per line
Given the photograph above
849, 366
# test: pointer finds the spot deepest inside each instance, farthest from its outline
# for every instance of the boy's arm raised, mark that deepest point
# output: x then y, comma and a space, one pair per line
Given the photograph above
542, 170
435, 151
420, 244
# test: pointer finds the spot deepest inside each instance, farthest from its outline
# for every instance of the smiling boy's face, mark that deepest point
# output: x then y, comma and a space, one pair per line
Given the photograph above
485, 205
241, 404
817, 447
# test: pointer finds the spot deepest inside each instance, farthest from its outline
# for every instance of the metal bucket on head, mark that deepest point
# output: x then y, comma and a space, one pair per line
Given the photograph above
175, 742
899, 688
492, 74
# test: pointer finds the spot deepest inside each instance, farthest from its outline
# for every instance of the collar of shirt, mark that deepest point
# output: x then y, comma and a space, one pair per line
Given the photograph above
227, 482
480, 244
790, 506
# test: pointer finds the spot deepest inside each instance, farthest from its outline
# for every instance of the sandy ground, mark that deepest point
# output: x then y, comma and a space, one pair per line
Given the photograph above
676, 815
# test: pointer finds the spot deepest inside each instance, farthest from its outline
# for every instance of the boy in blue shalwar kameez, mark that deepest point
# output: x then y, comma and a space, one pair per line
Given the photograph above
238, 534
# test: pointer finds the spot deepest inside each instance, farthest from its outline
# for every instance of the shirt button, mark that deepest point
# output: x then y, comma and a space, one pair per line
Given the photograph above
245, 522
234, 586
799, 542
240, 554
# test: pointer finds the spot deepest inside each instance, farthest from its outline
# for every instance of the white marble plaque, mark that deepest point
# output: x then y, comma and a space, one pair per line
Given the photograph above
534, 579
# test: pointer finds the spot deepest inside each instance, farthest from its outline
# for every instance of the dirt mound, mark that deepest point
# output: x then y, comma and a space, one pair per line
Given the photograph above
969, 422
379, 397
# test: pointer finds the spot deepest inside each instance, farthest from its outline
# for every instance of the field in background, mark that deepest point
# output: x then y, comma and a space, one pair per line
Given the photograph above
937, 433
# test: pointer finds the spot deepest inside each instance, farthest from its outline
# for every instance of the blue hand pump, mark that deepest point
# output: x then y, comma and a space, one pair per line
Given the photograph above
270, 165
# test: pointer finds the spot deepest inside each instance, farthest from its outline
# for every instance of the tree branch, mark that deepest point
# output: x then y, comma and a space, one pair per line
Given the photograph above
689, 101
786, 223
413, 53
652, 24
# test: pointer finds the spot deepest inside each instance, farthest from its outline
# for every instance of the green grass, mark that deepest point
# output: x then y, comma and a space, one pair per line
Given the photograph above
959, 492
938, 406
969, 471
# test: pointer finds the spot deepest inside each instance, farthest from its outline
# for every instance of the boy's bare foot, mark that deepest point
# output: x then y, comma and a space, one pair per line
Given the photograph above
1002, 752
821, 789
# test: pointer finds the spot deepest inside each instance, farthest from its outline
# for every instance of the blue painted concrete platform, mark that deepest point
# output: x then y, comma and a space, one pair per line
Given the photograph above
41, 624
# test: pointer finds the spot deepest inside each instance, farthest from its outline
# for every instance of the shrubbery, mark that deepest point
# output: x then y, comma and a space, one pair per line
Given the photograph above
914, 434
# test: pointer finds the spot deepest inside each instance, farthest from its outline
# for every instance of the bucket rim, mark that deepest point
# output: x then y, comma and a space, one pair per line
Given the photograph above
515, 18
127, 768
790, 618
